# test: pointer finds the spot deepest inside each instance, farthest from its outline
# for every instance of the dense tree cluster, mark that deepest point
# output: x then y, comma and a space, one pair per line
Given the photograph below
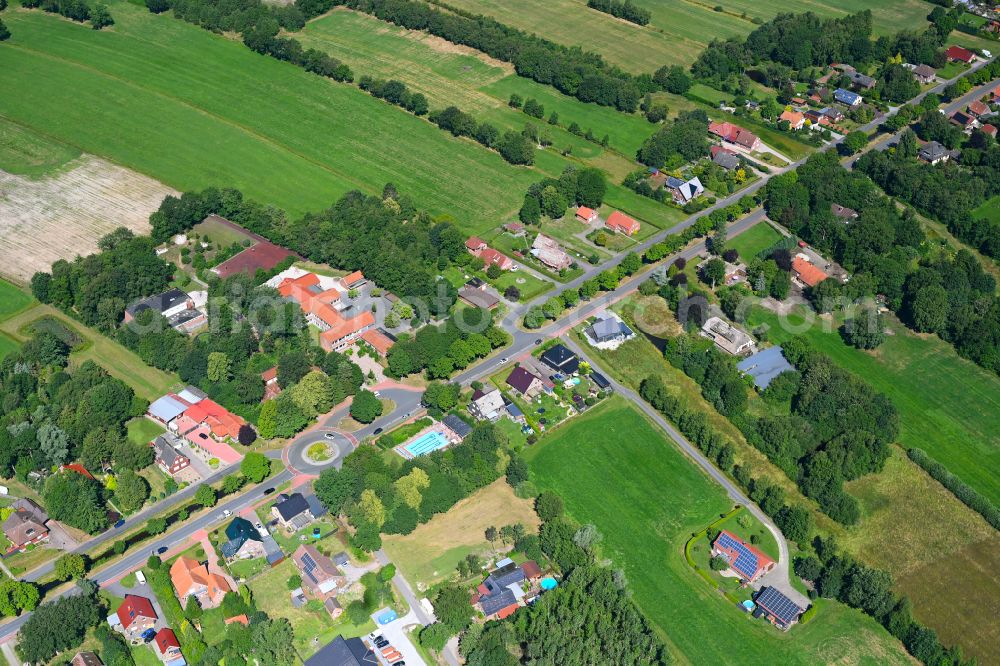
931, 188
606, 280
932, 291
49, 416
838, 429
581, 74
453, 345
75, 10
683, 140
395, 92
381, 498
622, 9
551, 196
60, 625
839, 576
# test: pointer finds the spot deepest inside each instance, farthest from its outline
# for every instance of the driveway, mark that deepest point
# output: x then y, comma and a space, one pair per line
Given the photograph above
397, 633
59, 538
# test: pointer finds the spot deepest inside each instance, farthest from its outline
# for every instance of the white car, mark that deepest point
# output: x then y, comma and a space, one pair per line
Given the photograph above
376, 394
260, 528
226, 513
140, 577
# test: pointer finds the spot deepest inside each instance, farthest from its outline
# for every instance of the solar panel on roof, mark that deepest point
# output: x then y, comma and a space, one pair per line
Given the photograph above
746, 561
778, 604
308, 564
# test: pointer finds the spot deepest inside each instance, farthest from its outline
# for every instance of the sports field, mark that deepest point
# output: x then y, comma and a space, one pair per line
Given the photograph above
616, 471
194, 109
948, 406
679, 29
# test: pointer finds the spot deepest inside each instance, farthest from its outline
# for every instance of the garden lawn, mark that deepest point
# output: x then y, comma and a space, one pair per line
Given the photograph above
755, 239
146, 381
312, 629
615, 470
948, 406
193, 109
26, 153
143, 431
431, 553
989, 210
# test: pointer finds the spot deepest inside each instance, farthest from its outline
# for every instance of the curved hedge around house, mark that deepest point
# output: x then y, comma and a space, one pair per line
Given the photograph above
965, 493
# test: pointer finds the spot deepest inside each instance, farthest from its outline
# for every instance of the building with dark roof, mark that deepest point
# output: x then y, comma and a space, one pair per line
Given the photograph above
561, 359
293, 512
524, 382
85, 659
457, 426
168, 457
500, 594
777, 608
599, 379
933, 152
168, 303
244, 542
847, 97
343, 652
478, 298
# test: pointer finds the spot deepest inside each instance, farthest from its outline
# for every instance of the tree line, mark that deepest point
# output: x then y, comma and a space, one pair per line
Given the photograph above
552, 197
74, 10
884, 249
624, 10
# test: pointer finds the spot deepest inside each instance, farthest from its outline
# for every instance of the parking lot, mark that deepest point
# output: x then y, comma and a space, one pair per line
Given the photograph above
396, 634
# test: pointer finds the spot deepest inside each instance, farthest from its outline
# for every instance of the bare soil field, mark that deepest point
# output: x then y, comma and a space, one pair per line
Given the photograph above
63, 215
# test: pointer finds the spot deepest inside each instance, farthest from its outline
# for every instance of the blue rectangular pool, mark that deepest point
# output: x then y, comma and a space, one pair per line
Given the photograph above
426, 443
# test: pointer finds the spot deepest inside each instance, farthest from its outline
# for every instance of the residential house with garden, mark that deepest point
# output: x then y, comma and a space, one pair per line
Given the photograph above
745, 561
779, 610
168, 457
550, 253
292, 511
26, 525
321, 579
525, 383
561, 360
487, 406
168, 649
191, 578
244, 541
135, 615
736, 135
727, 337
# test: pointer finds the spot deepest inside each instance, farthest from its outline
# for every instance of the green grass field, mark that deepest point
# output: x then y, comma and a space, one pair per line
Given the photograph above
948, 406
194, 109
616, 471
755, 239
678, 31
26, 153
143, 430
990, 210
13, 299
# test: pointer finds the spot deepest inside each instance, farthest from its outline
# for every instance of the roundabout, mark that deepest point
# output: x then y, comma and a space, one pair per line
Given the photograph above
322, 448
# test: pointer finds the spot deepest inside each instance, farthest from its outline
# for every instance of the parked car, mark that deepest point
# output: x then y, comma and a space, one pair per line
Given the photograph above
148, 635
376, 394
377, 431
120, 522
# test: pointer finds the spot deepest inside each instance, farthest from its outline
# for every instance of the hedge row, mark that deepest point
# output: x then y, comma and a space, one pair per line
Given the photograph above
965, 493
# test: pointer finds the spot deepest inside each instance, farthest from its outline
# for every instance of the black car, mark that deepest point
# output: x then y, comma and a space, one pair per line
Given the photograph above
268, 491
377, 431
538, 341
381, 643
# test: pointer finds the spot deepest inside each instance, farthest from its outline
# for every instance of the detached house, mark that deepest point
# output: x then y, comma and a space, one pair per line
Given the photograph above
684, 191
744, 560
167, 647
806, 273
320, 576
168, 457
550, 253
25, 525
933, 152
561, 359
959, 54
780, 611
525, 383
292, 512
135, 615
586, 215
795, 119
727, 337
736, 135
487, 406
725, 158
924, 74
193, 579
622, 223
501, 594
244, 543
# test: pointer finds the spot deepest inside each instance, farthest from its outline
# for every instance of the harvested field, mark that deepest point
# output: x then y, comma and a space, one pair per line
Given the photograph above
64, 215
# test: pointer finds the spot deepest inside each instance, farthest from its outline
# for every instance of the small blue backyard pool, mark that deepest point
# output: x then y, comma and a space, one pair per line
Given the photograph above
426, 443
748, 605
548, 583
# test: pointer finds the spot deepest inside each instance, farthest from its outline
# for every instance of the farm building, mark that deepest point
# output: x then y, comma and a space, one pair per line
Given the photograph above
744, 560
847, 97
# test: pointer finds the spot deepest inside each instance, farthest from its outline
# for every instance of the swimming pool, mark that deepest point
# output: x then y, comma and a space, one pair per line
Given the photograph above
426, 443
548, 583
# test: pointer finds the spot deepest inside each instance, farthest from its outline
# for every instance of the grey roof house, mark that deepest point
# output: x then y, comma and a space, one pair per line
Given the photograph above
292, 512
343, 652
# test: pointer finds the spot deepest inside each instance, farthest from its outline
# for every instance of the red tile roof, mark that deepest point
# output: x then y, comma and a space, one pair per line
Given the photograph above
381, 342
269, 375
960, 54
475, 243
989, 129
733, 134
346, 327
978, 108
807, 272
166, 639
134, 607
586, 214
242, 619
293, 286
222, 422
353, 278
721, 149
491, 256
621, 222
531, 569
507, 611
794, 118
78, 468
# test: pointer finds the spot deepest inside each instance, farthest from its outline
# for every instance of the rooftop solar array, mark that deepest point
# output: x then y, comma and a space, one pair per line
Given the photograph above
778, 604
746, 561
308, 565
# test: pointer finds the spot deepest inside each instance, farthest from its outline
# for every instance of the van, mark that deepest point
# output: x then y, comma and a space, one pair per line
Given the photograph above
140, 577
